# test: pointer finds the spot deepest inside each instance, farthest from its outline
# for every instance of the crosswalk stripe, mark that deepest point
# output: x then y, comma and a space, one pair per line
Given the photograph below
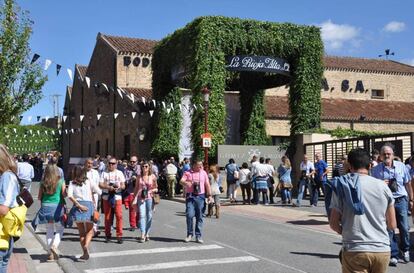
153, 250
169, 265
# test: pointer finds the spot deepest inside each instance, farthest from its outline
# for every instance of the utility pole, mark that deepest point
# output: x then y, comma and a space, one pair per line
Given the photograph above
55, 102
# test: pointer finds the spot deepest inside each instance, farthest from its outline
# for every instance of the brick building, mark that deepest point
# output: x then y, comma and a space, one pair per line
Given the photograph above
363, 94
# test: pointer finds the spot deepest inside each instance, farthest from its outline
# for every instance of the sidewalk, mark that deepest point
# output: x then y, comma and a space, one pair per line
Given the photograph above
30, 257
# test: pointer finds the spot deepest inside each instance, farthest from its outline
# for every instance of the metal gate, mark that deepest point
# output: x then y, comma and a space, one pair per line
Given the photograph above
333, 150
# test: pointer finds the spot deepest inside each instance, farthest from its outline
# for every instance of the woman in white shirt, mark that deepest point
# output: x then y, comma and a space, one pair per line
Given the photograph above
81, 194
245, 184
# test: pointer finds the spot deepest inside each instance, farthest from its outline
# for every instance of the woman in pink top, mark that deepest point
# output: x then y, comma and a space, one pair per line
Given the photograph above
145, 188
197, 188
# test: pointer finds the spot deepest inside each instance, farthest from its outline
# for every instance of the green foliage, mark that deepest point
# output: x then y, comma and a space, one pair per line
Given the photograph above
199, 51
344, 133
20, 81
29, 139
167, 137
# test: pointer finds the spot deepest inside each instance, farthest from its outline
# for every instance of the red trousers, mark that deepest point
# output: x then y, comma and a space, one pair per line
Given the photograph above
132, 210
118, 215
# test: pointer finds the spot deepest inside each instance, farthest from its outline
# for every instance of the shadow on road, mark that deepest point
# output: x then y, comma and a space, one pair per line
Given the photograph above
320, 255
166, 240
308, 222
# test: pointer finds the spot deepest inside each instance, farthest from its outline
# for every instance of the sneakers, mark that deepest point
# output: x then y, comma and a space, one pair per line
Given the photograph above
188, 239
120, 241
406, 256
50, 258
199, 240
107, 239
393, 262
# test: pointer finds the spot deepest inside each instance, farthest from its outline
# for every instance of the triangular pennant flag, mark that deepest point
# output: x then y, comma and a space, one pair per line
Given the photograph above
143, 100
154, 102
133, 114
70, 73
15, 130
58, 67
47, 118
98, 116
38, 132
12, 118
21, 117
29, 118
151, 112
64, 118
172, 106
60, 132
35, 58
81, 117
168, 110
133, 98
179, 106
88, 82
53, 132
163, 104
105, 86
38, 118
73, 131
115, 115
195, 107
46, 132
66, 131
201, 106
120, 93
47, 63
31, 132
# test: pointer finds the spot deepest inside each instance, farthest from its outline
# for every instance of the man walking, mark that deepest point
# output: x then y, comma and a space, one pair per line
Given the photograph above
171, 173
25, 171
362, 208
93, 177
396, 176
321, 171
131, 174
307, 171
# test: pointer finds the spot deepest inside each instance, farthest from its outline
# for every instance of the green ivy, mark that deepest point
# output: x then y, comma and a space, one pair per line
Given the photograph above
200, 49
167, 137
25, 142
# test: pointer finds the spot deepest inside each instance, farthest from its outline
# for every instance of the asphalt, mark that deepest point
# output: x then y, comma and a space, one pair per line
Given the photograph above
245, 239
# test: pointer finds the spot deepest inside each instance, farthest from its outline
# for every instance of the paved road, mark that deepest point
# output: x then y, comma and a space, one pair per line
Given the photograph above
246, 239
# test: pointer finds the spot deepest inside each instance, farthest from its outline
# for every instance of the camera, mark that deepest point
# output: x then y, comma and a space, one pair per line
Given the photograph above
196, 188
144, 193
393, 184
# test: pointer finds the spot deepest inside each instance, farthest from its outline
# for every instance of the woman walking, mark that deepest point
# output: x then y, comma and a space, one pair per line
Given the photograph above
245, 183
284, 171
145, 188
213, 177
81, 194
9, 189
52, 192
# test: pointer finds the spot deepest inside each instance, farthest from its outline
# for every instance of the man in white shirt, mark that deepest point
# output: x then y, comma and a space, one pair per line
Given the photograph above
307, 171
25, 171
171, 173
93, 177
112, 183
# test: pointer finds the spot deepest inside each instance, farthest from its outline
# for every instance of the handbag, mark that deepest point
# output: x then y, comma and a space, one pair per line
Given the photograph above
24, 197
156, 198
95, 216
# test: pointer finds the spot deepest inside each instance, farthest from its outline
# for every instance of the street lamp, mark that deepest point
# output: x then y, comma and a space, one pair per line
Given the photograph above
206, 98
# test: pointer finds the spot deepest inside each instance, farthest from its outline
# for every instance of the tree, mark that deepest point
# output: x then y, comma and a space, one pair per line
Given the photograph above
20, 80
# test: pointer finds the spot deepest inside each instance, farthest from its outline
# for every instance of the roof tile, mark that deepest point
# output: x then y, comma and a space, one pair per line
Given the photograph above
131, 45
139, 92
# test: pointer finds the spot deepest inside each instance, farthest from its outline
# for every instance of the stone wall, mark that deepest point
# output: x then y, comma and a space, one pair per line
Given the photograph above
132, 75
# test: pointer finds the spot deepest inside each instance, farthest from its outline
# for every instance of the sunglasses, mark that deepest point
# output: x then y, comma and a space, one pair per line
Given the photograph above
133, 161
146, 166
112, 163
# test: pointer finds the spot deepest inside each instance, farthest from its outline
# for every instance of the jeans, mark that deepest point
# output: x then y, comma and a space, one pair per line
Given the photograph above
302, 187
145, 216
286, 195
328, 195
246, 191
194, 206
5, 256
401, 208
314, 191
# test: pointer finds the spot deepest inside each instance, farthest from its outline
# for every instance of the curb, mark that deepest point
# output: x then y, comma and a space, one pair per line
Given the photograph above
65, 264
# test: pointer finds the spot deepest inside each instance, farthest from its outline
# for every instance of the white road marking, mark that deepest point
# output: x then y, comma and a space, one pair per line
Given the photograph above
153, 250
261, 258
169, 265
170, 226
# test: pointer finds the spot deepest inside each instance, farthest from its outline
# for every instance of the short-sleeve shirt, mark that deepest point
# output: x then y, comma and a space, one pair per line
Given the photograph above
115, 177
25, 171
320, 168
308, 167
80, 192
149, 184
398, 171
93, 177
9, 189
366, 232
200, 177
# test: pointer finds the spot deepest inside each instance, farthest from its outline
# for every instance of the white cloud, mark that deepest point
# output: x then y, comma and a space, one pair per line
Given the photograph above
394, 26
335, 35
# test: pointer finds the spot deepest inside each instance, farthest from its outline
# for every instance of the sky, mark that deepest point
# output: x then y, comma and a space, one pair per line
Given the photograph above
65, 31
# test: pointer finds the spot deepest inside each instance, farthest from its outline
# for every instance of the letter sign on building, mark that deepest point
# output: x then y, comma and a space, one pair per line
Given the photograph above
325, 84
359, 86
345, 85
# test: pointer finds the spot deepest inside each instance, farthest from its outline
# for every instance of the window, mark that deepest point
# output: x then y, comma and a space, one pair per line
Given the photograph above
377, 94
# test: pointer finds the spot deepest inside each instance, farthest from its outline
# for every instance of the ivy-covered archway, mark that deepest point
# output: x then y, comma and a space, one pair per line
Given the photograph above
195, 56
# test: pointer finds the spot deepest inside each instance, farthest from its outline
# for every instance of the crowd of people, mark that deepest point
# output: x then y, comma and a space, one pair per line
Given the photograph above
106, 185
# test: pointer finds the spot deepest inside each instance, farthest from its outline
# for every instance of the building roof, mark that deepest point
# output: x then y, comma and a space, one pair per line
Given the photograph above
139, 92
82, 70
348, 110
130, 45
366, 65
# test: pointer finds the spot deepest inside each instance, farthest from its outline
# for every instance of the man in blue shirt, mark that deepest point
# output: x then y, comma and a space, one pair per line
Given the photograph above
396, 175
321, 171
